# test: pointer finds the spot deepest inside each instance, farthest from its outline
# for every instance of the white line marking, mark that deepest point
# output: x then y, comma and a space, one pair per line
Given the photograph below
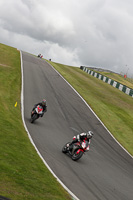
22, 112
92, 112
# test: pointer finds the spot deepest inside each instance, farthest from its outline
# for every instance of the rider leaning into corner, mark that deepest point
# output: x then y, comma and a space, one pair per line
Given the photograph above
44, 106
80, 137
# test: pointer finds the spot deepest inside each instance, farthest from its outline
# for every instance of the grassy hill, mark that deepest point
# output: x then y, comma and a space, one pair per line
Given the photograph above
113, 107
23, 175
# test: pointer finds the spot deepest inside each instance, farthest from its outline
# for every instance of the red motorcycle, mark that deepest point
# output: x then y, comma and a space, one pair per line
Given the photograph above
78, 149
36, 113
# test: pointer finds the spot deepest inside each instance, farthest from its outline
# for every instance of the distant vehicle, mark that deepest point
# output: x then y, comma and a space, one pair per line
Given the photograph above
40, 56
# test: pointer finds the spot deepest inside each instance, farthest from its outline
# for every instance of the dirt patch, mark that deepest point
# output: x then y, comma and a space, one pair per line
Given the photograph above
4, 65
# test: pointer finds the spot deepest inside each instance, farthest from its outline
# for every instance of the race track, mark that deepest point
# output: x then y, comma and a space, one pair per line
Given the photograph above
103, 173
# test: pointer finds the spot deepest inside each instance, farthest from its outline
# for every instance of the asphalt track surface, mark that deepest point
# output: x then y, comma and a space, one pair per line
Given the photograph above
103, 173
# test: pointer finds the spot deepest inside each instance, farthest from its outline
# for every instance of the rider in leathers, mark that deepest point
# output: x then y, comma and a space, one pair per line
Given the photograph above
80, 137
43, 104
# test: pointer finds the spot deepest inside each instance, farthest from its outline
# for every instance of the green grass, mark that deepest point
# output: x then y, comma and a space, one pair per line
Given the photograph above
23, 175
113, 107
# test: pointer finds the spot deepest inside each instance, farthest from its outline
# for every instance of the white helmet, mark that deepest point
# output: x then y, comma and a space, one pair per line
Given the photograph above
89, 134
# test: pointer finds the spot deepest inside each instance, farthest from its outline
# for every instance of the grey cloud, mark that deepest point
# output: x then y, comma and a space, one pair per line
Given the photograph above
92, 32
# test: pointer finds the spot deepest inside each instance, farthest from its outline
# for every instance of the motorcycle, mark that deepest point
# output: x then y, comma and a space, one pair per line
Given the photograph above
78, 149
36, 113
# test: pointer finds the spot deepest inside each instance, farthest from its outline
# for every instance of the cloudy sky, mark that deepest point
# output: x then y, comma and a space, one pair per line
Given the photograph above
74, 32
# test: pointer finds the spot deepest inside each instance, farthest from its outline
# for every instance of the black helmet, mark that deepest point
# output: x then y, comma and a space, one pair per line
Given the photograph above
44, 102
89, 134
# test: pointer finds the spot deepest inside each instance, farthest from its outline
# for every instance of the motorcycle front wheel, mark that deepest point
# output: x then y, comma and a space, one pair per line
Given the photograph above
76, 156
33, 118
64, 149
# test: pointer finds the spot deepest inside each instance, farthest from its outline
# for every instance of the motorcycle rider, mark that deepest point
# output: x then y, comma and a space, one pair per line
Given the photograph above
44, 106
80, 137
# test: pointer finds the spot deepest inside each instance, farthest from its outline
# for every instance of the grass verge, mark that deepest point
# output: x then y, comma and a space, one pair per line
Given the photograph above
113, 107
23, 176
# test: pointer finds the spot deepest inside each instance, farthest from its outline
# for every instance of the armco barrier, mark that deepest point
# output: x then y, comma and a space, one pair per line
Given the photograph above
115, 84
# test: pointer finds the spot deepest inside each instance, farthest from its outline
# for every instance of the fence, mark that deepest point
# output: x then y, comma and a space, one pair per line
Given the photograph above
110, 81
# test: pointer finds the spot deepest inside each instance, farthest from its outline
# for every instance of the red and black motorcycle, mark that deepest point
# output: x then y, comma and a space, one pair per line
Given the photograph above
36, 113
77, 150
